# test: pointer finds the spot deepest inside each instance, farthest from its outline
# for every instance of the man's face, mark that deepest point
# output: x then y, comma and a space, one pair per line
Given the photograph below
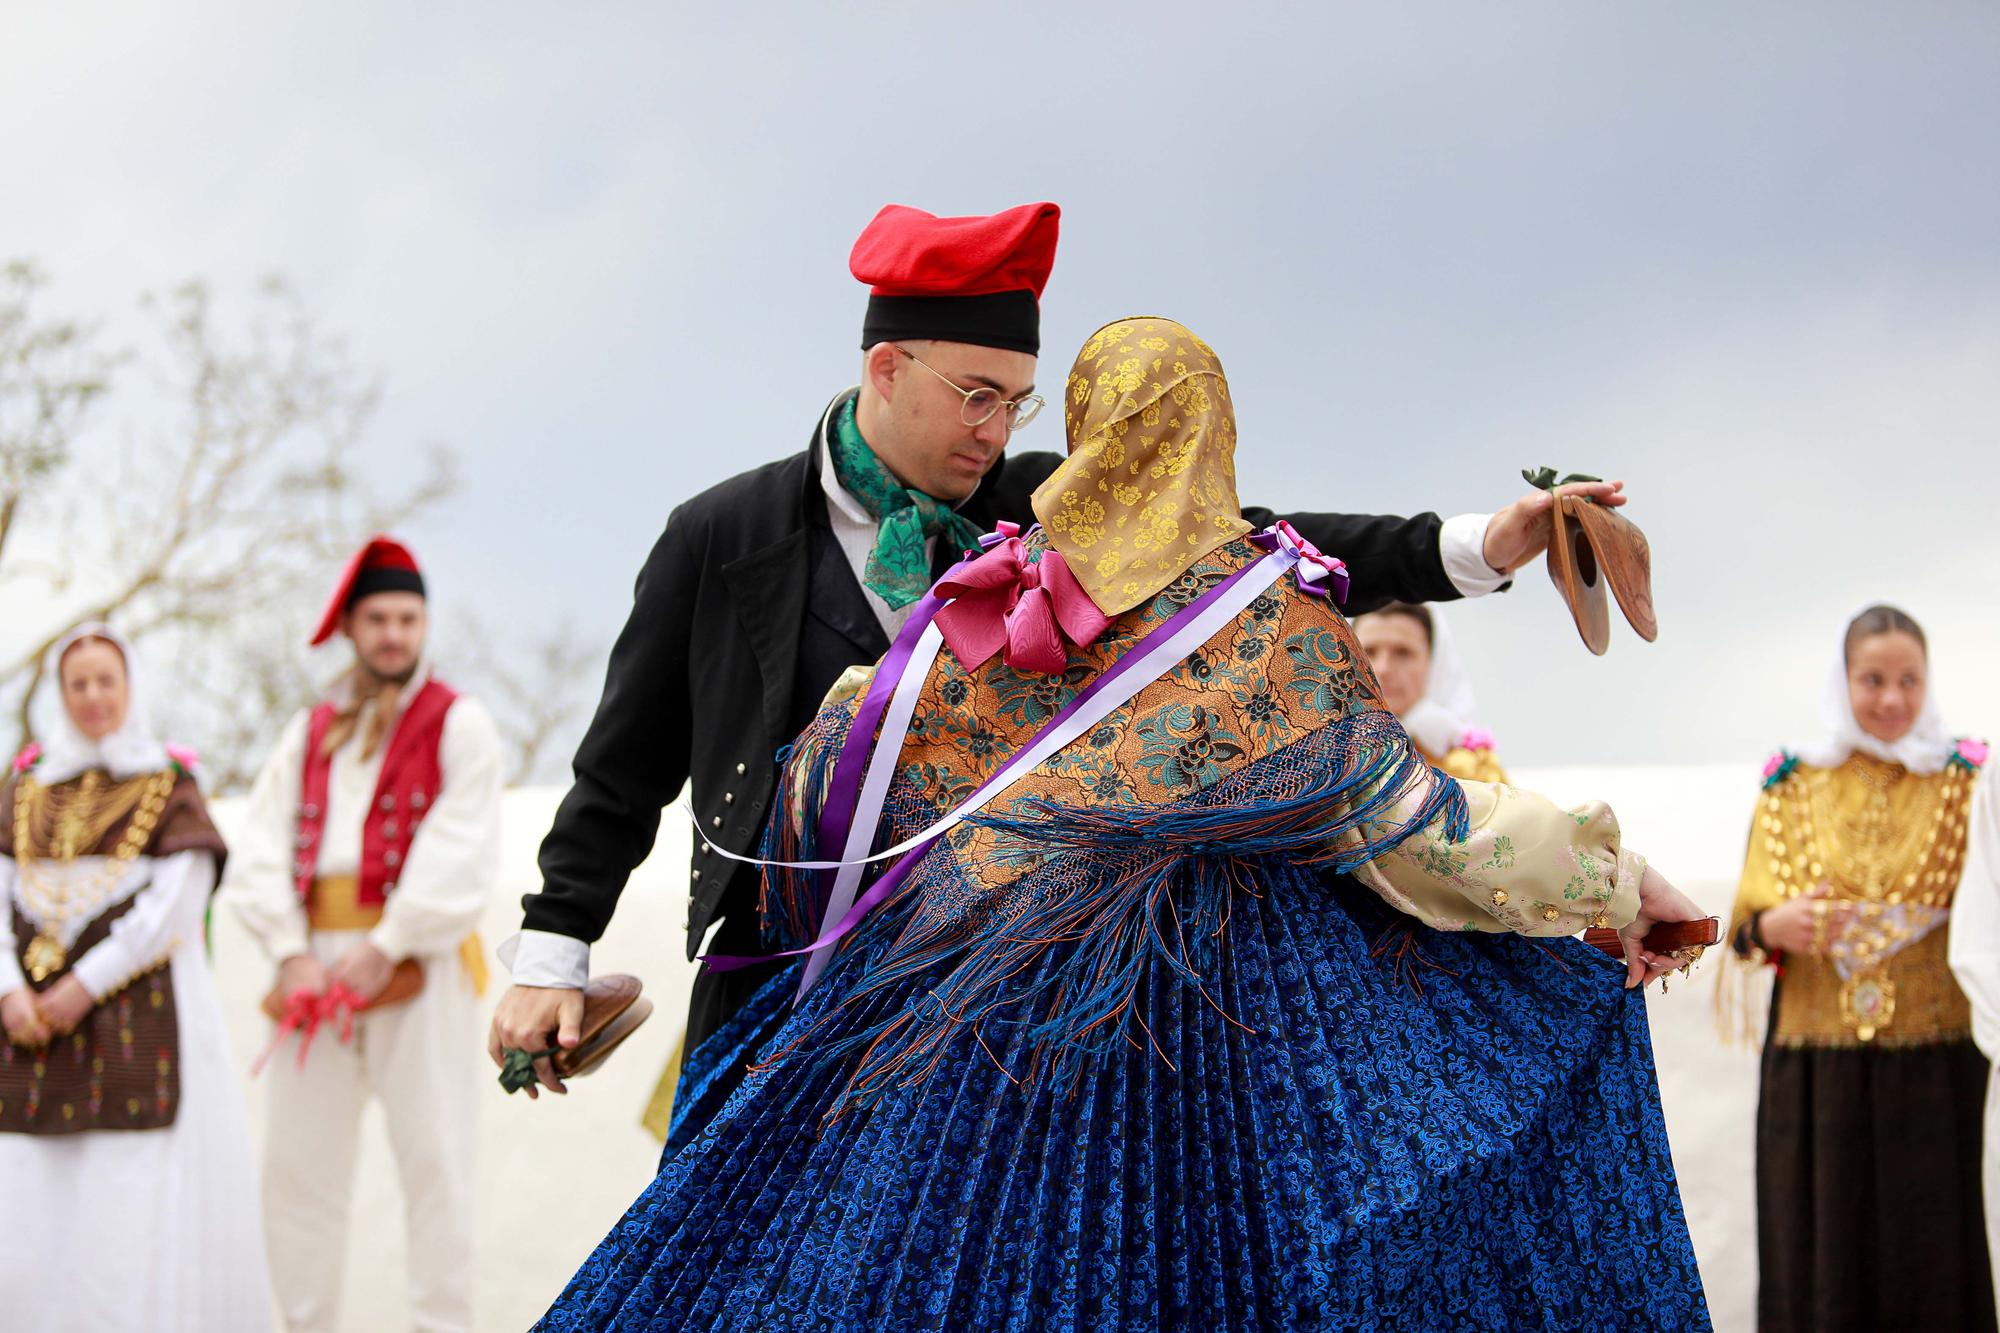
388, 633
921, 434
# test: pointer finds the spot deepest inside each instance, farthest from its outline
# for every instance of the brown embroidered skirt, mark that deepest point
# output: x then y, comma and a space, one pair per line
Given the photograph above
120, 1068
1868, 1188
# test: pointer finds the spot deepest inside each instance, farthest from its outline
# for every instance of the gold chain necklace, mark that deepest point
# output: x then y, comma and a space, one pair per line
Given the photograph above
65, 825
1867, 850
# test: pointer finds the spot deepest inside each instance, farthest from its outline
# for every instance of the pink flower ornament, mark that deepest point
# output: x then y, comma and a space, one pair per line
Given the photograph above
31, 754
1477, 738
1779, 767
1972, 752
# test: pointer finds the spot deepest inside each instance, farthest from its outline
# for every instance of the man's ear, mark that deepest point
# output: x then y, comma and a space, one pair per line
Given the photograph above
879, 367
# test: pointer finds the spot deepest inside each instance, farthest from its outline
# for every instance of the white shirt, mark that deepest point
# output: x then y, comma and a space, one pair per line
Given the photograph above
453, 866
855, 530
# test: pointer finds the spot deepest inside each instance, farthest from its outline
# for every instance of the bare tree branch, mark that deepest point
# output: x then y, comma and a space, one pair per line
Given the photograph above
237, 502
203, 507
51, 372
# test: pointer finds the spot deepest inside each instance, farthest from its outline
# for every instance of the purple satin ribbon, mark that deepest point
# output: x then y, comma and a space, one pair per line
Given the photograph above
843, 791
847, 795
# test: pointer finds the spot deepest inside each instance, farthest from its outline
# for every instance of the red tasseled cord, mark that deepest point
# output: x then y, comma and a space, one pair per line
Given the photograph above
305, 1012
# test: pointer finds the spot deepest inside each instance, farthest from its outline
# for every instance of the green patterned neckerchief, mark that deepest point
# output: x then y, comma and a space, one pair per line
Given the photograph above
898, 570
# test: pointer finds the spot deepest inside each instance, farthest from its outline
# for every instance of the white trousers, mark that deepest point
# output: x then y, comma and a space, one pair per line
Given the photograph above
420, 1059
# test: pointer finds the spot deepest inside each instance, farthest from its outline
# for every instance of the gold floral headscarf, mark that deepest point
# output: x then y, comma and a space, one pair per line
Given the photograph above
1150, 485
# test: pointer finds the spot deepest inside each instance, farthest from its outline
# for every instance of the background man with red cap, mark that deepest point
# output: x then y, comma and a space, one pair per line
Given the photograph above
764, 589
371, 844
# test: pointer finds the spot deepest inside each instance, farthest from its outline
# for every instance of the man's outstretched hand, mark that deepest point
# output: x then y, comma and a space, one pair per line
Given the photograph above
536, 1018
1522, 530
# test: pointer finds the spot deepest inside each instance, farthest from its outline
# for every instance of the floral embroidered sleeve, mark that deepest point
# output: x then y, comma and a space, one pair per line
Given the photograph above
1526, 865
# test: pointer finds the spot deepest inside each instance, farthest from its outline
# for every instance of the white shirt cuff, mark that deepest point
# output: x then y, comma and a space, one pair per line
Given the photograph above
1462, 547
544, 958
98, 971
10, 971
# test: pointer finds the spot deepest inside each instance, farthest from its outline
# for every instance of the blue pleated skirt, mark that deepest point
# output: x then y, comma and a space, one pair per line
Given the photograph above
1331, 1133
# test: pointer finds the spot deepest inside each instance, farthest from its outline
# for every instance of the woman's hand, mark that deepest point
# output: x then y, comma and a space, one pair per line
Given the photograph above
64, 1005
1789, 928
1658, 901
23, 1021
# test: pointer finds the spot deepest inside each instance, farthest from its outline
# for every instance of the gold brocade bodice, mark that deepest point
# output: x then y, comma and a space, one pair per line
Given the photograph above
57, 825
1892, 843
1467, 765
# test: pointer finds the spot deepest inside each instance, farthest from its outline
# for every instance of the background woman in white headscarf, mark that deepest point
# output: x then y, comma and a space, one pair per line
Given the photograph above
1425, 685
1975, 962
1868, 1119
127, 1196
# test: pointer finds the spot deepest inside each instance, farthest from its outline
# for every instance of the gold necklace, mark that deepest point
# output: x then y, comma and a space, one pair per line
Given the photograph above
65, 825
1866, 851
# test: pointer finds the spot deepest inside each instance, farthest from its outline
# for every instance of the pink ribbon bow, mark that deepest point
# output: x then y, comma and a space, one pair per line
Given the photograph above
1000, 601
1318, 573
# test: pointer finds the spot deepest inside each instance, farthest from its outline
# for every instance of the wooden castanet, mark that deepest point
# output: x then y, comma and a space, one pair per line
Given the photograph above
1666, 937
1591, 547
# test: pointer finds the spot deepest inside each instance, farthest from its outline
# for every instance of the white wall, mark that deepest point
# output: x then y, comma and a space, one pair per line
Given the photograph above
556, 1173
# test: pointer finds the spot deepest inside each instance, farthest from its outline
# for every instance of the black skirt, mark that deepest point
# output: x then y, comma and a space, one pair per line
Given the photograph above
1868, 1189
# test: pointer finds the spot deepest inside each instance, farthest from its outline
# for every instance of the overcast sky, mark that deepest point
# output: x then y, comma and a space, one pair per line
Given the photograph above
1746, 257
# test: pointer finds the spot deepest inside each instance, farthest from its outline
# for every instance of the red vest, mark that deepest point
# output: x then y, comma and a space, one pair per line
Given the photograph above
411, 778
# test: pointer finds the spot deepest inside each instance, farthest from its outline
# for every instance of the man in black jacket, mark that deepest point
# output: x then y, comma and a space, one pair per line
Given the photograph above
764, 589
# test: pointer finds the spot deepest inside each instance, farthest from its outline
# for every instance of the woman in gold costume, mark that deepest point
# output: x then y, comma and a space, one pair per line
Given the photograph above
130, 1201
1868, 1120
1425, 685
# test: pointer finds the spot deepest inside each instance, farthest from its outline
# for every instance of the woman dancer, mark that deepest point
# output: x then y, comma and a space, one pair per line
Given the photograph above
1159, 1040
1868, 1118
1425, 685
127, 1196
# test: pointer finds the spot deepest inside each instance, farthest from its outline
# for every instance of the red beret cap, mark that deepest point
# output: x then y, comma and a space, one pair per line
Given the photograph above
383, 565
908, 252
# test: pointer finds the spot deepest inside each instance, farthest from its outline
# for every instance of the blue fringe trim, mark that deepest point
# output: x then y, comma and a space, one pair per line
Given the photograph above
1124, 893
790, 902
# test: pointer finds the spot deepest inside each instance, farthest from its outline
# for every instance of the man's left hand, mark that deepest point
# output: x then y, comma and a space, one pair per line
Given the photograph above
364, 969
1522, 530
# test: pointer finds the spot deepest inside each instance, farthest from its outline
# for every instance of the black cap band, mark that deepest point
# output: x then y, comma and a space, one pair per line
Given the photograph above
371, 581
1008, 320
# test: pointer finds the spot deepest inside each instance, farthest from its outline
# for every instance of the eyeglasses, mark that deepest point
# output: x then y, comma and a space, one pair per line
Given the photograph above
981, 403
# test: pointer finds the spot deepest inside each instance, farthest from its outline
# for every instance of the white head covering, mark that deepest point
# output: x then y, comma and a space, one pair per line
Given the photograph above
66, 752
1444, 715
1924, 748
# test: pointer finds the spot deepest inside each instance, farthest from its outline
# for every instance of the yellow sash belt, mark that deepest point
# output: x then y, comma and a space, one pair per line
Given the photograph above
335, 904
